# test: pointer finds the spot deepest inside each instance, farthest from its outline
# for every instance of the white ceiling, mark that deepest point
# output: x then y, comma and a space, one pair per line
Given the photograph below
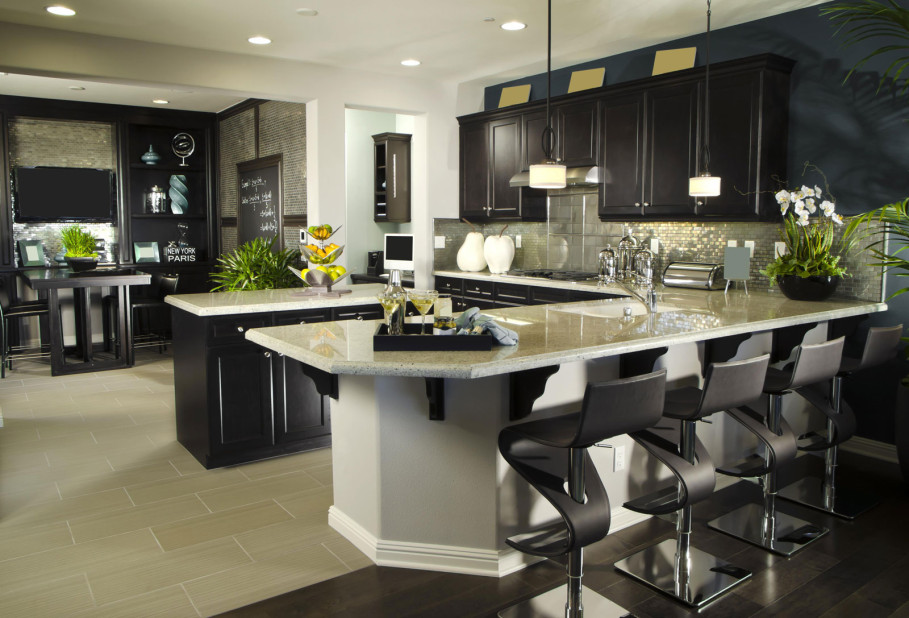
451, 38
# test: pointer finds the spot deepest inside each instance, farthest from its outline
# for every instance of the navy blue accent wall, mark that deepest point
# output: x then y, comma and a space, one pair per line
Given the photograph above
857, 135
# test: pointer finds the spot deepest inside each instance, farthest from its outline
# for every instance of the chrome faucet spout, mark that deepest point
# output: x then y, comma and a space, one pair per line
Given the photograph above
648, 298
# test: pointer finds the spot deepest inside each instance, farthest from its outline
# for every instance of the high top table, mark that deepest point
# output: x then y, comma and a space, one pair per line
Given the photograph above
50, 280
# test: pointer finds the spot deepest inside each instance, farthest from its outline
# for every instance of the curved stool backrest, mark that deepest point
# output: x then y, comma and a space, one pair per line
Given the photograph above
732, 384
880, 346
816, 362
620, 406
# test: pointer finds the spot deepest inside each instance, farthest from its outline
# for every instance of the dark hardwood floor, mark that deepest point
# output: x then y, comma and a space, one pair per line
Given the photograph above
860, 569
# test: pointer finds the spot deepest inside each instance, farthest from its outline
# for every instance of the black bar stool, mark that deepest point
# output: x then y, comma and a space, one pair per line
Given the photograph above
763, 525
551, 455
822, 494
674, 567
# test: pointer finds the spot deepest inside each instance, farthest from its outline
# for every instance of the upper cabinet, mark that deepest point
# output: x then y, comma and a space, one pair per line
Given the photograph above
645, 136
392, 177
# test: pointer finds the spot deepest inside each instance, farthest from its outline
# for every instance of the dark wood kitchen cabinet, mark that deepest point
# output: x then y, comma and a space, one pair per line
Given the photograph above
649, 142
577, 129
391, 178
474, 170
236, 401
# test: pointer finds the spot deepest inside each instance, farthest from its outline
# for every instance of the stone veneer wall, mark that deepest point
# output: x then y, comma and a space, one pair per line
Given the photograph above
573, 236
282, 130
61, 143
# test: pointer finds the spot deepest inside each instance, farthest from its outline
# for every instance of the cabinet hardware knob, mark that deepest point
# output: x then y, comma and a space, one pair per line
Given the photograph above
646, 204
239, 329
637, 203
267, 354
360, 317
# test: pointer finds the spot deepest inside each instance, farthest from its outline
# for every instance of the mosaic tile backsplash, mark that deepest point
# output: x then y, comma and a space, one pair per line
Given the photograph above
573, 236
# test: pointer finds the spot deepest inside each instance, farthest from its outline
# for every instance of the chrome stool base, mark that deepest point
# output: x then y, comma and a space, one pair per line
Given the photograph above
845, 503
708, 576
788, 534
552, 605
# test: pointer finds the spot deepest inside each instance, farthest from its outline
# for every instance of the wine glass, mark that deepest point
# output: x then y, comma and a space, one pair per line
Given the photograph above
423, 301
393, 304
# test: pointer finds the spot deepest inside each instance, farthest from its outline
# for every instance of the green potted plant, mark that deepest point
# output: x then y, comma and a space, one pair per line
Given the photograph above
80, 248
256, 266
888, 22
810, 269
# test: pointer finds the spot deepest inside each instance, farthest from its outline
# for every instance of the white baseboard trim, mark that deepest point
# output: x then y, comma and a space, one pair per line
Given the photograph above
448, 558
870, 448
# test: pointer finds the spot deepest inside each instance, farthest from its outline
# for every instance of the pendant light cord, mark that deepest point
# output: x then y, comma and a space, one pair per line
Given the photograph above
548, 132
707, 100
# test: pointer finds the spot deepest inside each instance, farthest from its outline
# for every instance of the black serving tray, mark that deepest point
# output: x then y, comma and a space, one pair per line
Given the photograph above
413, 341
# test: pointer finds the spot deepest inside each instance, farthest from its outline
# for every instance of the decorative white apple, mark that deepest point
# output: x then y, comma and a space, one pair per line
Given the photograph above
470, 255
499, 252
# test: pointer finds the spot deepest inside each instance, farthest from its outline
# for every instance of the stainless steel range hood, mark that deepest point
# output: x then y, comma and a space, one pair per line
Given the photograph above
575, 176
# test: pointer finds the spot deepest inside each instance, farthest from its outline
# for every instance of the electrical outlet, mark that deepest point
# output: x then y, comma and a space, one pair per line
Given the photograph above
517, 241
732, 243
655, 245
439, 242
302, 237
618, 458
779, 248
750, 245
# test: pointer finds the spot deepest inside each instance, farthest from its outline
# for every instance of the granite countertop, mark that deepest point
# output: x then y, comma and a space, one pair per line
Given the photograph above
554, 334
260, 301
589, 286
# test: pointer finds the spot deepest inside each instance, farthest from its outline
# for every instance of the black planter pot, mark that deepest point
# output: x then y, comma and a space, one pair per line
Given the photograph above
808, 288
81, 264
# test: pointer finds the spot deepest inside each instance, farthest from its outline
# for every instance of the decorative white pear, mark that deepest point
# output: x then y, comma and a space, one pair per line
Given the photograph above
470, 255
499, 252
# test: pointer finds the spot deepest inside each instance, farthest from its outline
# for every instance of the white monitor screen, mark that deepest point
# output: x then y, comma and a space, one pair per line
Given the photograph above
399, 251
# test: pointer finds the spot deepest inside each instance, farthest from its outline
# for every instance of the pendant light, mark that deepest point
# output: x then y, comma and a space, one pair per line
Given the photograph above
548, 174
705, 185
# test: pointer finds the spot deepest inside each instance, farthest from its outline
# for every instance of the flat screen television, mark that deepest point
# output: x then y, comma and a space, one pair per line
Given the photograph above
46, 194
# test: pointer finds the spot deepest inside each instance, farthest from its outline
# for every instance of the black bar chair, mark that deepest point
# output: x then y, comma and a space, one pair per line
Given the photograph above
880, 346
551, 454
9, 312
763, 525
144, 310
673, 566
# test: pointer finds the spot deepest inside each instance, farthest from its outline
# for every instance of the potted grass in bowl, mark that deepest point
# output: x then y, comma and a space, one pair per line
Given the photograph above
80, 248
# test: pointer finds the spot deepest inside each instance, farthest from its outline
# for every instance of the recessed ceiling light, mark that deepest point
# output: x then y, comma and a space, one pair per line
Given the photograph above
77, 87
489, 19
513, 25
411, 62
57, 9
259, 40
307, 12
160, 101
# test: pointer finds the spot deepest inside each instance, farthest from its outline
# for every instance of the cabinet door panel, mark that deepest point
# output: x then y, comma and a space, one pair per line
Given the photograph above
733, 144
474, 168
505, 152
532, 139
300, 412
578, 131
365, 312
669, 154
241, 390
623, 140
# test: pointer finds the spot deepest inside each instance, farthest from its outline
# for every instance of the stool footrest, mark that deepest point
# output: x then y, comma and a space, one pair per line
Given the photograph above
661, 501
844, 422
751, 466
782, 448
548, 540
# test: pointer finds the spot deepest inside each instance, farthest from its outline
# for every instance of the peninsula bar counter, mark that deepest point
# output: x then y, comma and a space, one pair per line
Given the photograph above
435, 494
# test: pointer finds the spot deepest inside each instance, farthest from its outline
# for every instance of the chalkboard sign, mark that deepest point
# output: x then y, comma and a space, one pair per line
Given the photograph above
259, 207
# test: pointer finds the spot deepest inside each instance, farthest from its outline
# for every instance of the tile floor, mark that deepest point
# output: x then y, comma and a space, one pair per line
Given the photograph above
103, 513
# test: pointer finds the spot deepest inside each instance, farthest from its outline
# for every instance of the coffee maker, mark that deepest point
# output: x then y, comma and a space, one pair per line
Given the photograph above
375, 263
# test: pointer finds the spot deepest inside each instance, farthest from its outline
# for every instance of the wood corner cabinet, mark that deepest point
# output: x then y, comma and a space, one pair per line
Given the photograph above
391, 178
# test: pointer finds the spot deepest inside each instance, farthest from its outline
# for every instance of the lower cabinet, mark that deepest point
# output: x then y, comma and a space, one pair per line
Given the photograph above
236, 401
466, 293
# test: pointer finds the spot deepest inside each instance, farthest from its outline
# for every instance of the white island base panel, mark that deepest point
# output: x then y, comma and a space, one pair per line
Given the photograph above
437, 495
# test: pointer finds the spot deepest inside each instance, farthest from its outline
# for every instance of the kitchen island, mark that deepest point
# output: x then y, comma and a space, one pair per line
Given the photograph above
236, 402
418, 481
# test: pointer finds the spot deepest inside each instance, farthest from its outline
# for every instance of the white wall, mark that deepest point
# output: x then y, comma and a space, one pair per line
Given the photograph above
327, 92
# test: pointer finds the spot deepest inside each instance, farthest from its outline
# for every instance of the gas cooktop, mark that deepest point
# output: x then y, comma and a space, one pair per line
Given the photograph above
558, 275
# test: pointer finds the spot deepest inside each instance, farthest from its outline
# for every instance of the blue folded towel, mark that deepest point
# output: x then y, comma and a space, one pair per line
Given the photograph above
472, 321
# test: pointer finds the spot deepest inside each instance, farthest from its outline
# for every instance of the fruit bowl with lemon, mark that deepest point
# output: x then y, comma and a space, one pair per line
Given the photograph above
316, 251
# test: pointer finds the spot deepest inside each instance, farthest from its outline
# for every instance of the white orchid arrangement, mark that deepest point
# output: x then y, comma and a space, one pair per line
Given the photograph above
809, 242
